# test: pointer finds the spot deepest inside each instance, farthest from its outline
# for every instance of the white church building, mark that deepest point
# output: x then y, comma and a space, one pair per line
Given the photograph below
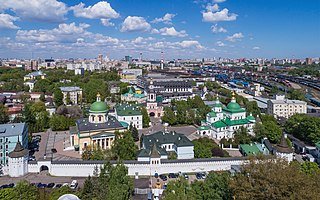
222, 121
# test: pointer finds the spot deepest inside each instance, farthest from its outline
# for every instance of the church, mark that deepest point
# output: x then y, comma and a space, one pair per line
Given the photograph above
96, 130
223, 121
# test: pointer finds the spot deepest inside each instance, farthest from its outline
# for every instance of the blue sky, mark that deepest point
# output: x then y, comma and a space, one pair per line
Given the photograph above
179, 28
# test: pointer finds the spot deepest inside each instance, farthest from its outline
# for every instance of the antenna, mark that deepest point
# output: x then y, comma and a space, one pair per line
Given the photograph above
162, 60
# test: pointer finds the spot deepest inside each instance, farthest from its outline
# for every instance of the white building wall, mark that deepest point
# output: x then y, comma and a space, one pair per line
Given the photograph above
185, 152
140, 169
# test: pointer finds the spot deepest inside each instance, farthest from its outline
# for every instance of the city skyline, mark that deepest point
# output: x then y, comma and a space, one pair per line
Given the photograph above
180, 29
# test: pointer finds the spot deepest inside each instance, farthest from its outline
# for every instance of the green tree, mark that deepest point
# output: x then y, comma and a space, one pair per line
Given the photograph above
4, 117
178, 190
169, 116
135, 134
87, 192
124, 147
268, 128
145, 117
274, 179
43, 85
58, 97
205, 147
252, 107
24, 190
7, 194
42, 97
242, 136
296, 95
304, 127
310, 168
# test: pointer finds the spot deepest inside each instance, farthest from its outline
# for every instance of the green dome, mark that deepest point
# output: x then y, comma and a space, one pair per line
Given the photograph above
99, 107
233, 106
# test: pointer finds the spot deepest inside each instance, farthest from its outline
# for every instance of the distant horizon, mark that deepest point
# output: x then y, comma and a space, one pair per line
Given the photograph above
181, 29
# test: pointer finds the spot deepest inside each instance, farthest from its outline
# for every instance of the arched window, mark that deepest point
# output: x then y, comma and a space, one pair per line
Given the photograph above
92, 117
100, 118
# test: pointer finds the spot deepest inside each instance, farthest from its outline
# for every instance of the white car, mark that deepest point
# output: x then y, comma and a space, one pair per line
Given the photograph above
74, 184
65, 184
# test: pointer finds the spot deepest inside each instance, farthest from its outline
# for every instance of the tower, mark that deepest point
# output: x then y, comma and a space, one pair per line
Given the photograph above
162, 61
18, 161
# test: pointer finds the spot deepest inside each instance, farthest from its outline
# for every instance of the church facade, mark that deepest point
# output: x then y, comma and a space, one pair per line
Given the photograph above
96, 130
222, 121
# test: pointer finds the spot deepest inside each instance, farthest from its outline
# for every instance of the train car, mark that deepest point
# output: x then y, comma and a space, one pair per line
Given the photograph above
315, 101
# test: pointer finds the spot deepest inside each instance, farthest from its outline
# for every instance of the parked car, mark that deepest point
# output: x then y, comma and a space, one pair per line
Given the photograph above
172, 175
65, 184
38, 185
4, 186
11, 185
50, 185
198, 176
43, 185
185, 175
203, 175
163, 177
74, 184
58, 185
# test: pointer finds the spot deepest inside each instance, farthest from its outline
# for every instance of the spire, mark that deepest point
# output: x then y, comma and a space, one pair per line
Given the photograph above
98, 97
154, 152
233, 99
283, 146
217, 99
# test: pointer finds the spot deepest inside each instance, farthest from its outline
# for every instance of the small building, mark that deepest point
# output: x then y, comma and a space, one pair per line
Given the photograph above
133, 97
164, 143
249, 149
34, 75
30, 84
130, 114
73, 93
10, 135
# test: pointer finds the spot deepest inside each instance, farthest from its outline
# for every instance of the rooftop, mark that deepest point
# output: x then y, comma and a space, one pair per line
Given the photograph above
70, 89
7, 130
85, 125
250, 149
127, 110
161, 137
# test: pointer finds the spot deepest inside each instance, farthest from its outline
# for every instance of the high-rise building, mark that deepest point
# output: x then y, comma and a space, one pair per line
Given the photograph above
100, 58
308, 61
128, 59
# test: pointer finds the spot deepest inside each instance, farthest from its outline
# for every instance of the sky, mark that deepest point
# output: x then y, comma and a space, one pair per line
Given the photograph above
181, 29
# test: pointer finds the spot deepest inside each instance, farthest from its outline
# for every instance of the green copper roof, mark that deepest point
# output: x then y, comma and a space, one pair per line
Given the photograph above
226, 109
99, 106
249, 149
235, 122
202, 128
318, 145
134, 94
212, 114
251, 118
124, 124
217, 105
128, 110
218, 124
233, 106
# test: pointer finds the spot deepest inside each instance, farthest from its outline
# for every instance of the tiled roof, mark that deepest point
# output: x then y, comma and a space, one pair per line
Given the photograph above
127, 110
250, 149
212, 114
166, 138
85, 125
218, 124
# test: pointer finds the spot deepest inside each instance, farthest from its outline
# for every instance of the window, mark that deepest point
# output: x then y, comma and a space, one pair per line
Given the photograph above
0, 140
0, 146
6, 139
6, 146
1, 154
99, 118
7, 153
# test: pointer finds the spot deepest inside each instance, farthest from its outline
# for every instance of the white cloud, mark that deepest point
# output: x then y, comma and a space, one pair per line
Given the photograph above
222, 15
6, 21
219, 1
220, 44
170, 32
36, 10
64, 33
190, 43
212, 8
216, 29
142, 40
166, 19
106, 22
134, 23
256, 48
100, 10
235, 37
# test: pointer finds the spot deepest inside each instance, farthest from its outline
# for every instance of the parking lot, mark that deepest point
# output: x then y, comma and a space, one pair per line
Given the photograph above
43, 178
